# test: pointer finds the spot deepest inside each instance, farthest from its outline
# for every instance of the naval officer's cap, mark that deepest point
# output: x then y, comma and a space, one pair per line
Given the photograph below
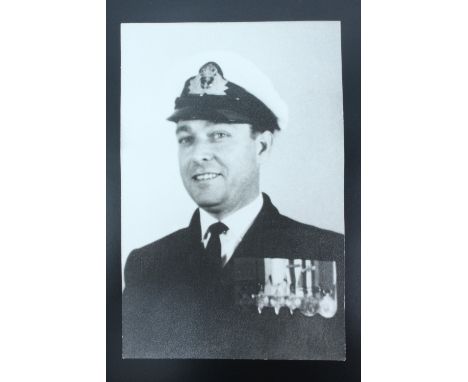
211, 95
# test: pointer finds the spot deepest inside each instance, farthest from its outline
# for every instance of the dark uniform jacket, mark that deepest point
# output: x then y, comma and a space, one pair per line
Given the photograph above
176, 306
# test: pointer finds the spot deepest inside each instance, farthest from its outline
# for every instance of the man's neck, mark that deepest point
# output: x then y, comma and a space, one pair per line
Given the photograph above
225, 214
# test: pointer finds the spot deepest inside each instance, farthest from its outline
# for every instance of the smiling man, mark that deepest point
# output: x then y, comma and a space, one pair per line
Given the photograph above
220, 163
199, 292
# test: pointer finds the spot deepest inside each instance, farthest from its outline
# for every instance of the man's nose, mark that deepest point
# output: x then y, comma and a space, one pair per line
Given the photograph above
202, 152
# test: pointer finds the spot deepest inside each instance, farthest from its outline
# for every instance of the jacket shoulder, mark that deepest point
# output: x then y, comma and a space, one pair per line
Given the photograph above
287, 222
300, 239
143, 262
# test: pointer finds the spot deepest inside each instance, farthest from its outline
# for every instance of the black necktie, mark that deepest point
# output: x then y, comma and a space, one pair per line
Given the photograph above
213, 249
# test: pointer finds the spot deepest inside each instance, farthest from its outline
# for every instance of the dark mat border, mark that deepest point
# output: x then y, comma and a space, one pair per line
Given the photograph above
148, 11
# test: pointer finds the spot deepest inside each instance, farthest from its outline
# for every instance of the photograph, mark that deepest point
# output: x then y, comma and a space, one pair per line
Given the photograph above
232, 191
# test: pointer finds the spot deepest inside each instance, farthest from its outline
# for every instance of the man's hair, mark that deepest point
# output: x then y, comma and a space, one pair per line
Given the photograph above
255, 130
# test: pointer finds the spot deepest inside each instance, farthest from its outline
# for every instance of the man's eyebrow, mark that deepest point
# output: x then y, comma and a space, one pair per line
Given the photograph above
182, 129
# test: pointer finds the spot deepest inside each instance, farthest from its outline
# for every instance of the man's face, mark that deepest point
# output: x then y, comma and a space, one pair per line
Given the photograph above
219, 164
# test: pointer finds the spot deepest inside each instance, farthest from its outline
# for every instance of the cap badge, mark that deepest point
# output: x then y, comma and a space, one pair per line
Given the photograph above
209, 80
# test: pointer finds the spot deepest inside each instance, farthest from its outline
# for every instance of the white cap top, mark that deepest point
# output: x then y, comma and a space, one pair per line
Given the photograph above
239, 71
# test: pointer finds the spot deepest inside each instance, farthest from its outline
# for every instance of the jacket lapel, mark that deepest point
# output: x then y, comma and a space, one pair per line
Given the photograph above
266, 218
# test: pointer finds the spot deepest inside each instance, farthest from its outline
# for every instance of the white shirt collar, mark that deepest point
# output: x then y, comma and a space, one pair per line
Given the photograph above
238, 223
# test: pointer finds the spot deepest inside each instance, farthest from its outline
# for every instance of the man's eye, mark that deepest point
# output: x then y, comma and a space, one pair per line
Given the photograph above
185, 140
219, 135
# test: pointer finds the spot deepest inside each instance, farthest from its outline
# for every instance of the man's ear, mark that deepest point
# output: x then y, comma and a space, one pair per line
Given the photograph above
263, 142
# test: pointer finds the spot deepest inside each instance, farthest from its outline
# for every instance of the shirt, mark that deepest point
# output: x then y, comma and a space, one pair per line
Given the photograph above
238, 223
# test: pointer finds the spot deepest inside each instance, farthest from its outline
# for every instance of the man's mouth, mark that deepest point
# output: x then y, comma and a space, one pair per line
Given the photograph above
205, 176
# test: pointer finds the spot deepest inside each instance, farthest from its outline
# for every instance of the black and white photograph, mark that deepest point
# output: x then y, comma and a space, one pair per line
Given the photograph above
181, 191
232, 191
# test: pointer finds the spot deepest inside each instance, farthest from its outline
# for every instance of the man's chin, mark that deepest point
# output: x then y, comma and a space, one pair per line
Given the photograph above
208, 202
210, 206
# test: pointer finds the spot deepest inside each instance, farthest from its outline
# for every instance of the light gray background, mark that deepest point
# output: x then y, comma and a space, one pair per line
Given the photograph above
304, 176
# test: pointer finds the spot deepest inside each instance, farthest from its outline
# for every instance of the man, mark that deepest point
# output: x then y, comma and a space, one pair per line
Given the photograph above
225, 286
